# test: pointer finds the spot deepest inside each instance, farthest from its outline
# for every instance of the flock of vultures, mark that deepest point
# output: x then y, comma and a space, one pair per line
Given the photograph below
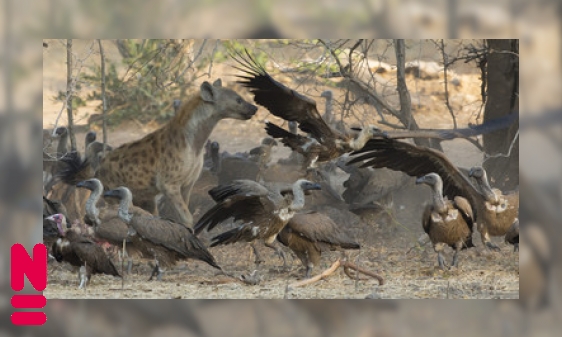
153, 197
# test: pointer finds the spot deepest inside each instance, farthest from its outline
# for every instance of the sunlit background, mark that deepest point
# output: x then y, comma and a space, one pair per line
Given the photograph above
536, 24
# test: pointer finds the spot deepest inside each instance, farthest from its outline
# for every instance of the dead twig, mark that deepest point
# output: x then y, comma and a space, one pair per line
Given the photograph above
318, 277
339, 263
347, 264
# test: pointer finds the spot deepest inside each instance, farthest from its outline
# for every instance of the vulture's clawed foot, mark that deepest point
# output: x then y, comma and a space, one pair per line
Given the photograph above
492, 247
442, 264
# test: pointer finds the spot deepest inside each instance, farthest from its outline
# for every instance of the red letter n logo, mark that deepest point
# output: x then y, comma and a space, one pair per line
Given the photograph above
36, 271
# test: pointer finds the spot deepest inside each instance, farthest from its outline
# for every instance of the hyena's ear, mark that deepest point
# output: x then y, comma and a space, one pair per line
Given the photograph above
208, 93
217, 83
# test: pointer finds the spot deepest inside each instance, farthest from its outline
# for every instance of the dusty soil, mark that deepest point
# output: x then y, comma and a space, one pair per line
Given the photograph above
389, 244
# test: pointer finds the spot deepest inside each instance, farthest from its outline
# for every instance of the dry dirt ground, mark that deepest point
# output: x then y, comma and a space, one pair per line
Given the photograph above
389, 244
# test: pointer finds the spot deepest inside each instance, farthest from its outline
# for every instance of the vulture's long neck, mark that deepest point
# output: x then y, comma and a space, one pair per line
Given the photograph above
298, 198
62, 147
438, 200
123, 210
485, 187
328, 113
361, 140
91, 210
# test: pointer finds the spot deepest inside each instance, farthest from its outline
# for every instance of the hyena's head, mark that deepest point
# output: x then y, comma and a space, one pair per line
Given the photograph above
228, 104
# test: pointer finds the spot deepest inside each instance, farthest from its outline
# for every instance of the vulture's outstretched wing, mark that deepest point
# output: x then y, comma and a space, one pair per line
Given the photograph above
417, 161
280, 100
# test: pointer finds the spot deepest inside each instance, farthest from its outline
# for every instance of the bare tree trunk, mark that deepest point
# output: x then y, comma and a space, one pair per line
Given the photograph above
502, 99
69, 94
405, 116
104, 104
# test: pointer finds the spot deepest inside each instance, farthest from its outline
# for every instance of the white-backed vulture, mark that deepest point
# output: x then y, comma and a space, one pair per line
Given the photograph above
310, 234
325, 143
499, 211
417, 161
166, 241
52, 155
105, 221
263, 211
245, 165
94, 150
81, 252
446, 222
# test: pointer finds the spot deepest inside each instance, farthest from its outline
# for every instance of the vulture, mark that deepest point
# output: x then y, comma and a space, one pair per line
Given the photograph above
264, 211
106, 223
324, 144
328, 112
51, 165
94, 150
417, 161
446, 222
294, 158
262, 154
164, 240
310, 234
80, 251
248, 165
499, 211
369, 186
512, 236
50, 229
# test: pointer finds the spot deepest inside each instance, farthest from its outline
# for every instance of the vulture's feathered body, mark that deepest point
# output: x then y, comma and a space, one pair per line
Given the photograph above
446, 222
105, 221
52, 155
499, 211
80, 251
246, 165
310, 234
324, 144
263, 211
417, 161
94, 150
164, 240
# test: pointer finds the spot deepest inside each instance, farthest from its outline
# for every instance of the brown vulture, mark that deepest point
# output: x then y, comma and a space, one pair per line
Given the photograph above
80, 251
310, 234
499, 211
264, 211
324, 144
446, 222
105, 221
164, 240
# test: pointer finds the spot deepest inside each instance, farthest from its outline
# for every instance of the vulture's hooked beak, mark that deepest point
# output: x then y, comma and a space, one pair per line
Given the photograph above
111, 193
420, 180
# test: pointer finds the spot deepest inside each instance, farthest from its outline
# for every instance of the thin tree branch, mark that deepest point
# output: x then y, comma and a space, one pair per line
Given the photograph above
445, 67
104, 103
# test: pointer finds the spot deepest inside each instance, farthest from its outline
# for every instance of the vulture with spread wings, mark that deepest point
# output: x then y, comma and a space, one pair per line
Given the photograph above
493, 211
325, 143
